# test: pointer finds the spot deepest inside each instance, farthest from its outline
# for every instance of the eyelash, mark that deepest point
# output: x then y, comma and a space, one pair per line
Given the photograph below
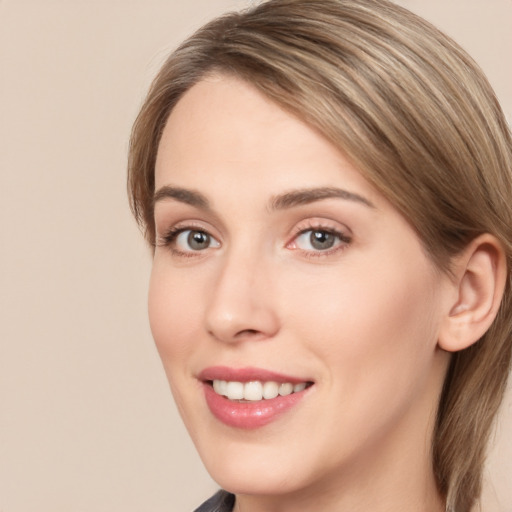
169, 240
342, 240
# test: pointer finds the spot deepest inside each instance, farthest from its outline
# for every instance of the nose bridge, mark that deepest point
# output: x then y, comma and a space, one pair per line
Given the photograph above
241, 300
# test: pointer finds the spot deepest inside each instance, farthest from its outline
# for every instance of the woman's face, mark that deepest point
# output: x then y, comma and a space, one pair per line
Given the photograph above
278, 267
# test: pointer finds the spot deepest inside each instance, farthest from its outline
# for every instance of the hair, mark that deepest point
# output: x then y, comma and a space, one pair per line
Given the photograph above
417, 117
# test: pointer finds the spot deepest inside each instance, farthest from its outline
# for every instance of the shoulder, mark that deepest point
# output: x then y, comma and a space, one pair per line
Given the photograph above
222, 501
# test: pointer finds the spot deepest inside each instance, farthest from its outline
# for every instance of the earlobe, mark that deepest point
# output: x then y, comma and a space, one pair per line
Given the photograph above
480, 276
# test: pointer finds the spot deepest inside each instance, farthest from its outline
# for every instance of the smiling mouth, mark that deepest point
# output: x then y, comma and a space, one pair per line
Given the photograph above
249, 398
254, 391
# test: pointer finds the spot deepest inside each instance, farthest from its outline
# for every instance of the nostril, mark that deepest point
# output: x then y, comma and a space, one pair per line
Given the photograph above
249, 334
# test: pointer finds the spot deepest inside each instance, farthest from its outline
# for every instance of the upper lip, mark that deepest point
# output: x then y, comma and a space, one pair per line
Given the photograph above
246, 374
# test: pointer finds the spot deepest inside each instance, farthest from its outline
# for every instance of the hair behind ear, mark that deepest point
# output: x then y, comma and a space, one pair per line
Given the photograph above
477, 329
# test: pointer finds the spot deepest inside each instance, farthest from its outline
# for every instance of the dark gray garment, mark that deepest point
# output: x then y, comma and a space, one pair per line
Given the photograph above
222, 501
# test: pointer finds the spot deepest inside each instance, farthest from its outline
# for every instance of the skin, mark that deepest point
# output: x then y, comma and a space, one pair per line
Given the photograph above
361, 319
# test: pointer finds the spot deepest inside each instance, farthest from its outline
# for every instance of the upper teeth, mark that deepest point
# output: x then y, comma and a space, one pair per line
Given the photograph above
255, 390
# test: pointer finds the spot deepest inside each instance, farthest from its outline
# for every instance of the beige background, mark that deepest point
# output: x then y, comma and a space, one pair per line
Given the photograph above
86, 421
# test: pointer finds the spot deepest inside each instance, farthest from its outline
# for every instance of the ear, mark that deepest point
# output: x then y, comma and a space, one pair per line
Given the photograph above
480, 274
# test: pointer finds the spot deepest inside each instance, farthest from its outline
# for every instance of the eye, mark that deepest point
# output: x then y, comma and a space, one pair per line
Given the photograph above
319, 240
316, 239
194, 240
187, 240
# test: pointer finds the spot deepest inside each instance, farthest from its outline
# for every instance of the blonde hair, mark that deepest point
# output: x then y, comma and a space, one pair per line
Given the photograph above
419, 120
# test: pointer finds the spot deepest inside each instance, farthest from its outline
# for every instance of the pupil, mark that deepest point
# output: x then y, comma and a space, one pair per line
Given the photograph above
198, 240
322, 240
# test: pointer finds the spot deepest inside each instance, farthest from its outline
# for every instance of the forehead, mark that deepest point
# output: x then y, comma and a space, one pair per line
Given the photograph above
224, 129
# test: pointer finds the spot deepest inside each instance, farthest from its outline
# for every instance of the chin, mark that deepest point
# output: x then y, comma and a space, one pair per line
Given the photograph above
250, 468
253, 468
252, 481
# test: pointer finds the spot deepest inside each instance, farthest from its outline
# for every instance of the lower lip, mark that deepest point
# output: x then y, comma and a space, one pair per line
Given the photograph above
249, 415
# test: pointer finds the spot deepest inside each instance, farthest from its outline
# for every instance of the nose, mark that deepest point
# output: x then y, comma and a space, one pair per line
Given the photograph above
241, 305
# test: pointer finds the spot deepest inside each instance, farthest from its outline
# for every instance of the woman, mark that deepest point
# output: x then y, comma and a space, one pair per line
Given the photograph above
327, 187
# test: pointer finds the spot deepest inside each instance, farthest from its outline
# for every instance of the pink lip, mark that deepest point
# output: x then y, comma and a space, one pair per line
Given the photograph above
247, 415
246, 374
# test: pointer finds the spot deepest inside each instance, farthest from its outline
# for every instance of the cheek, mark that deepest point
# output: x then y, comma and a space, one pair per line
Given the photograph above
173, 308
376, 340
370, 327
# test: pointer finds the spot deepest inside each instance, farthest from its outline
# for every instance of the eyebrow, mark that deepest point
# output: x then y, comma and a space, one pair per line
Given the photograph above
310, 195
183, 195
280, 202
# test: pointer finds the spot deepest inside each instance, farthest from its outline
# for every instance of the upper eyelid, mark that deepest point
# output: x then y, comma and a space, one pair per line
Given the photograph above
344, 238
169, 211
171, 205
182, 225
320, 223
177, 230
334, 231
